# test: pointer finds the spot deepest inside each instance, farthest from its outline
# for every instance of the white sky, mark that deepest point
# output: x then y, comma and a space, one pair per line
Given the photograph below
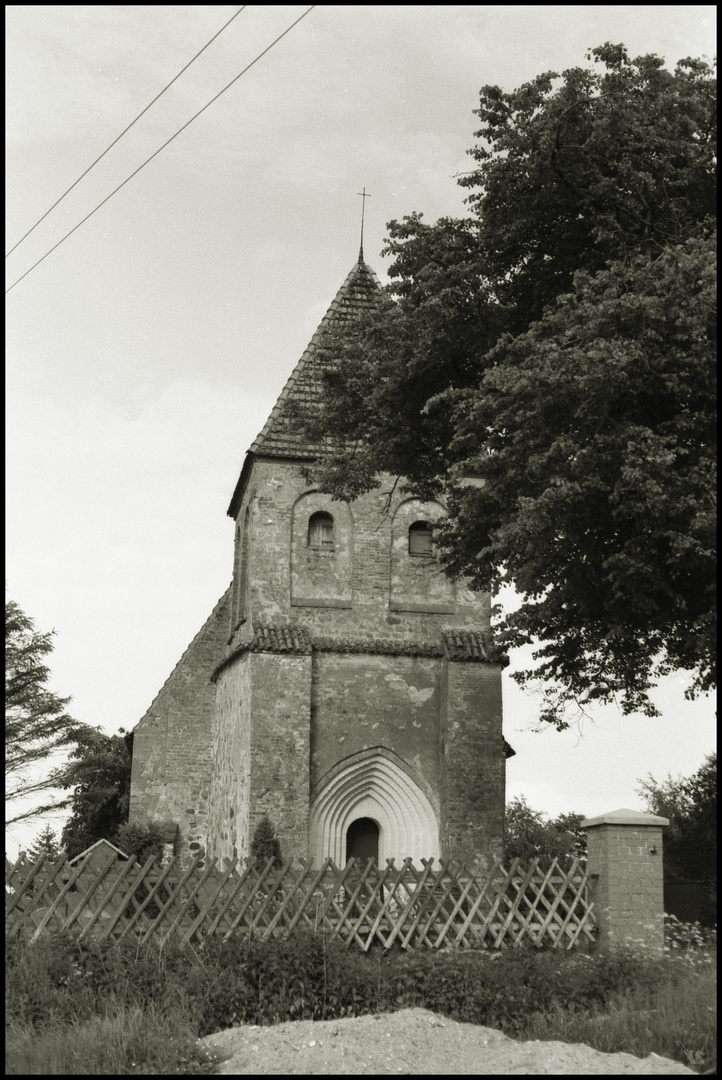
145, 354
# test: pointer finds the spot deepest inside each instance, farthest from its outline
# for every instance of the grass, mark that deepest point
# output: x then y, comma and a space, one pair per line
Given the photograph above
676, 1020
86, 1010
125, 1040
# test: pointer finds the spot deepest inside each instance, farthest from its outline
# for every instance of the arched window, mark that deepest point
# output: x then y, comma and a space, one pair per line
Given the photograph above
320, 530
420, 538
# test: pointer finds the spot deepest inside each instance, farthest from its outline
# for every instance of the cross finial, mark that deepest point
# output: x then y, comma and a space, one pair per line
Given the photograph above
364, 197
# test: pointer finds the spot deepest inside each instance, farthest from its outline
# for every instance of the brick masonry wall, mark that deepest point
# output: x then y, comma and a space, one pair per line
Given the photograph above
276, 495
415, 580
371, 589
261, 750
321, 576
172, 743
474, 762
626, 864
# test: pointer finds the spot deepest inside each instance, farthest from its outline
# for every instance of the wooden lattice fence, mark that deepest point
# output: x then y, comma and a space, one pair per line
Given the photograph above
360, 904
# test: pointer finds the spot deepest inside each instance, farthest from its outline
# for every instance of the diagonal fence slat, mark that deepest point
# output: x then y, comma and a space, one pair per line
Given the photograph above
411, 906
212, 898
139, 921
95, 911
137, 873
27, 883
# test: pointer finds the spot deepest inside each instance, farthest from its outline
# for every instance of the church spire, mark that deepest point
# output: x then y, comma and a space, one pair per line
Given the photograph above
364, 197
360, 292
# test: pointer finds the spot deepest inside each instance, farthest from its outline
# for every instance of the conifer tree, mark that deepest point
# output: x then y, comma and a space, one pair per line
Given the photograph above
37, 727
46, 841
265, 844
99, 774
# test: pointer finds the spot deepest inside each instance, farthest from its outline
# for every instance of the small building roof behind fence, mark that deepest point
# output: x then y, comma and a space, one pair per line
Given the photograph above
100, 847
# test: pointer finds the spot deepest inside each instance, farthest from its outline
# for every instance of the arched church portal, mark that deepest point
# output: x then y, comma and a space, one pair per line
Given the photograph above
362, 840
371, 785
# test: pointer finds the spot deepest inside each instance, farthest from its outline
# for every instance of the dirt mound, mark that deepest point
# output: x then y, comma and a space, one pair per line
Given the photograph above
411, 1041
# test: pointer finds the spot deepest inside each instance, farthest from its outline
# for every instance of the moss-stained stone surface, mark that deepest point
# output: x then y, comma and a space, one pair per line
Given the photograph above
231, 782
362, 701
173, 743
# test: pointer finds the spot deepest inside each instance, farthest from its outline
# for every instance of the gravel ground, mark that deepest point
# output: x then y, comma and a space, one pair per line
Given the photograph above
412, 1041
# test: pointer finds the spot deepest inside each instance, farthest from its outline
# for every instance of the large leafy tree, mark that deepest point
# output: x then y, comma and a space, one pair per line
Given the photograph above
99, 776
690, 803
38, 730
547, 364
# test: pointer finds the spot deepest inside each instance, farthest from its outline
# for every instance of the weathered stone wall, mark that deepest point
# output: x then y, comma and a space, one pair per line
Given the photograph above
372, 541
172, 743
378, 677
474, 763
321, 576
362, 701
416, 584
231, 781
261, 751
358, 600
280, 747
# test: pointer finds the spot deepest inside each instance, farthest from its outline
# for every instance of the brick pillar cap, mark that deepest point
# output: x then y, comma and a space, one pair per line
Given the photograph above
624, 817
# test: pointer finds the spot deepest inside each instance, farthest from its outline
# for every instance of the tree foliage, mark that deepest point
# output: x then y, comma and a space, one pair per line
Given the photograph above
531, 834
37, 727
690, 803
99, 775
140, 839
547, 366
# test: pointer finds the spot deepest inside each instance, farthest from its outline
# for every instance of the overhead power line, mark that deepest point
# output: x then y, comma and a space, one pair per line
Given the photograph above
166, 143
125, 130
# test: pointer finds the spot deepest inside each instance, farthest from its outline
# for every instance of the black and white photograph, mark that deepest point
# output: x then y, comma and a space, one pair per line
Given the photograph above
360, 572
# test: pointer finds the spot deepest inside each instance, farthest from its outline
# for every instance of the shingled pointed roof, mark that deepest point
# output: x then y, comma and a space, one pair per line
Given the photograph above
360, 292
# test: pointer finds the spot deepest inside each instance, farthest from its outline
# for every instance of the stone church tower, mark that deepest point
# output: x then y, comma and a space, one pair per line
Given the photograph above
343, 685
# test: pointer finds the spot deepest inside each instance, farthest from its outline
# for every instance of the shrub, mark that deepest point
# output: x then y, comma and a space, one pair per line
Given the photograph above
265, 844
141, 840
60, 982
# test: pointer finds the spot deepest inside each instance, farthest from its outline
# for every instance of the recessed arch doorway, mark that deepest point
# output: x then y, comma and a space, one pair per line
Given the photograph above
374, 784
362, 840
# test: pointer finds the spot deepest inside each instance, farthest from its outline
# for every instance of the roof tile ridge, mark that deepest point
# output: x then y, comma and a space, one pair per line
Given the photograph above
289, 637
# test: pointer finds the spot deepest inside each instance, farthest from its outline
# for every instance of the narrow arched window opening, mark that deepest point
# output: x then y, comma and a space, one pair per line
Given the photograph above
420, 538
320, 530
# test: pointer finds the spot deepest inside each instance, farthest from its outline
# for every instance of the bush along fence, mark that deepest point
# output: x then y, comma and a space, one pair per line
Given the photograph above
617, 899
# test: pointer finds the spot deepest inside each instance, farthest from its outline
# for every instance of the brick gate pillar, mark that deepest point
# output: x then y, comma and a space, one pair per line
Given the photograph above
625, 864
